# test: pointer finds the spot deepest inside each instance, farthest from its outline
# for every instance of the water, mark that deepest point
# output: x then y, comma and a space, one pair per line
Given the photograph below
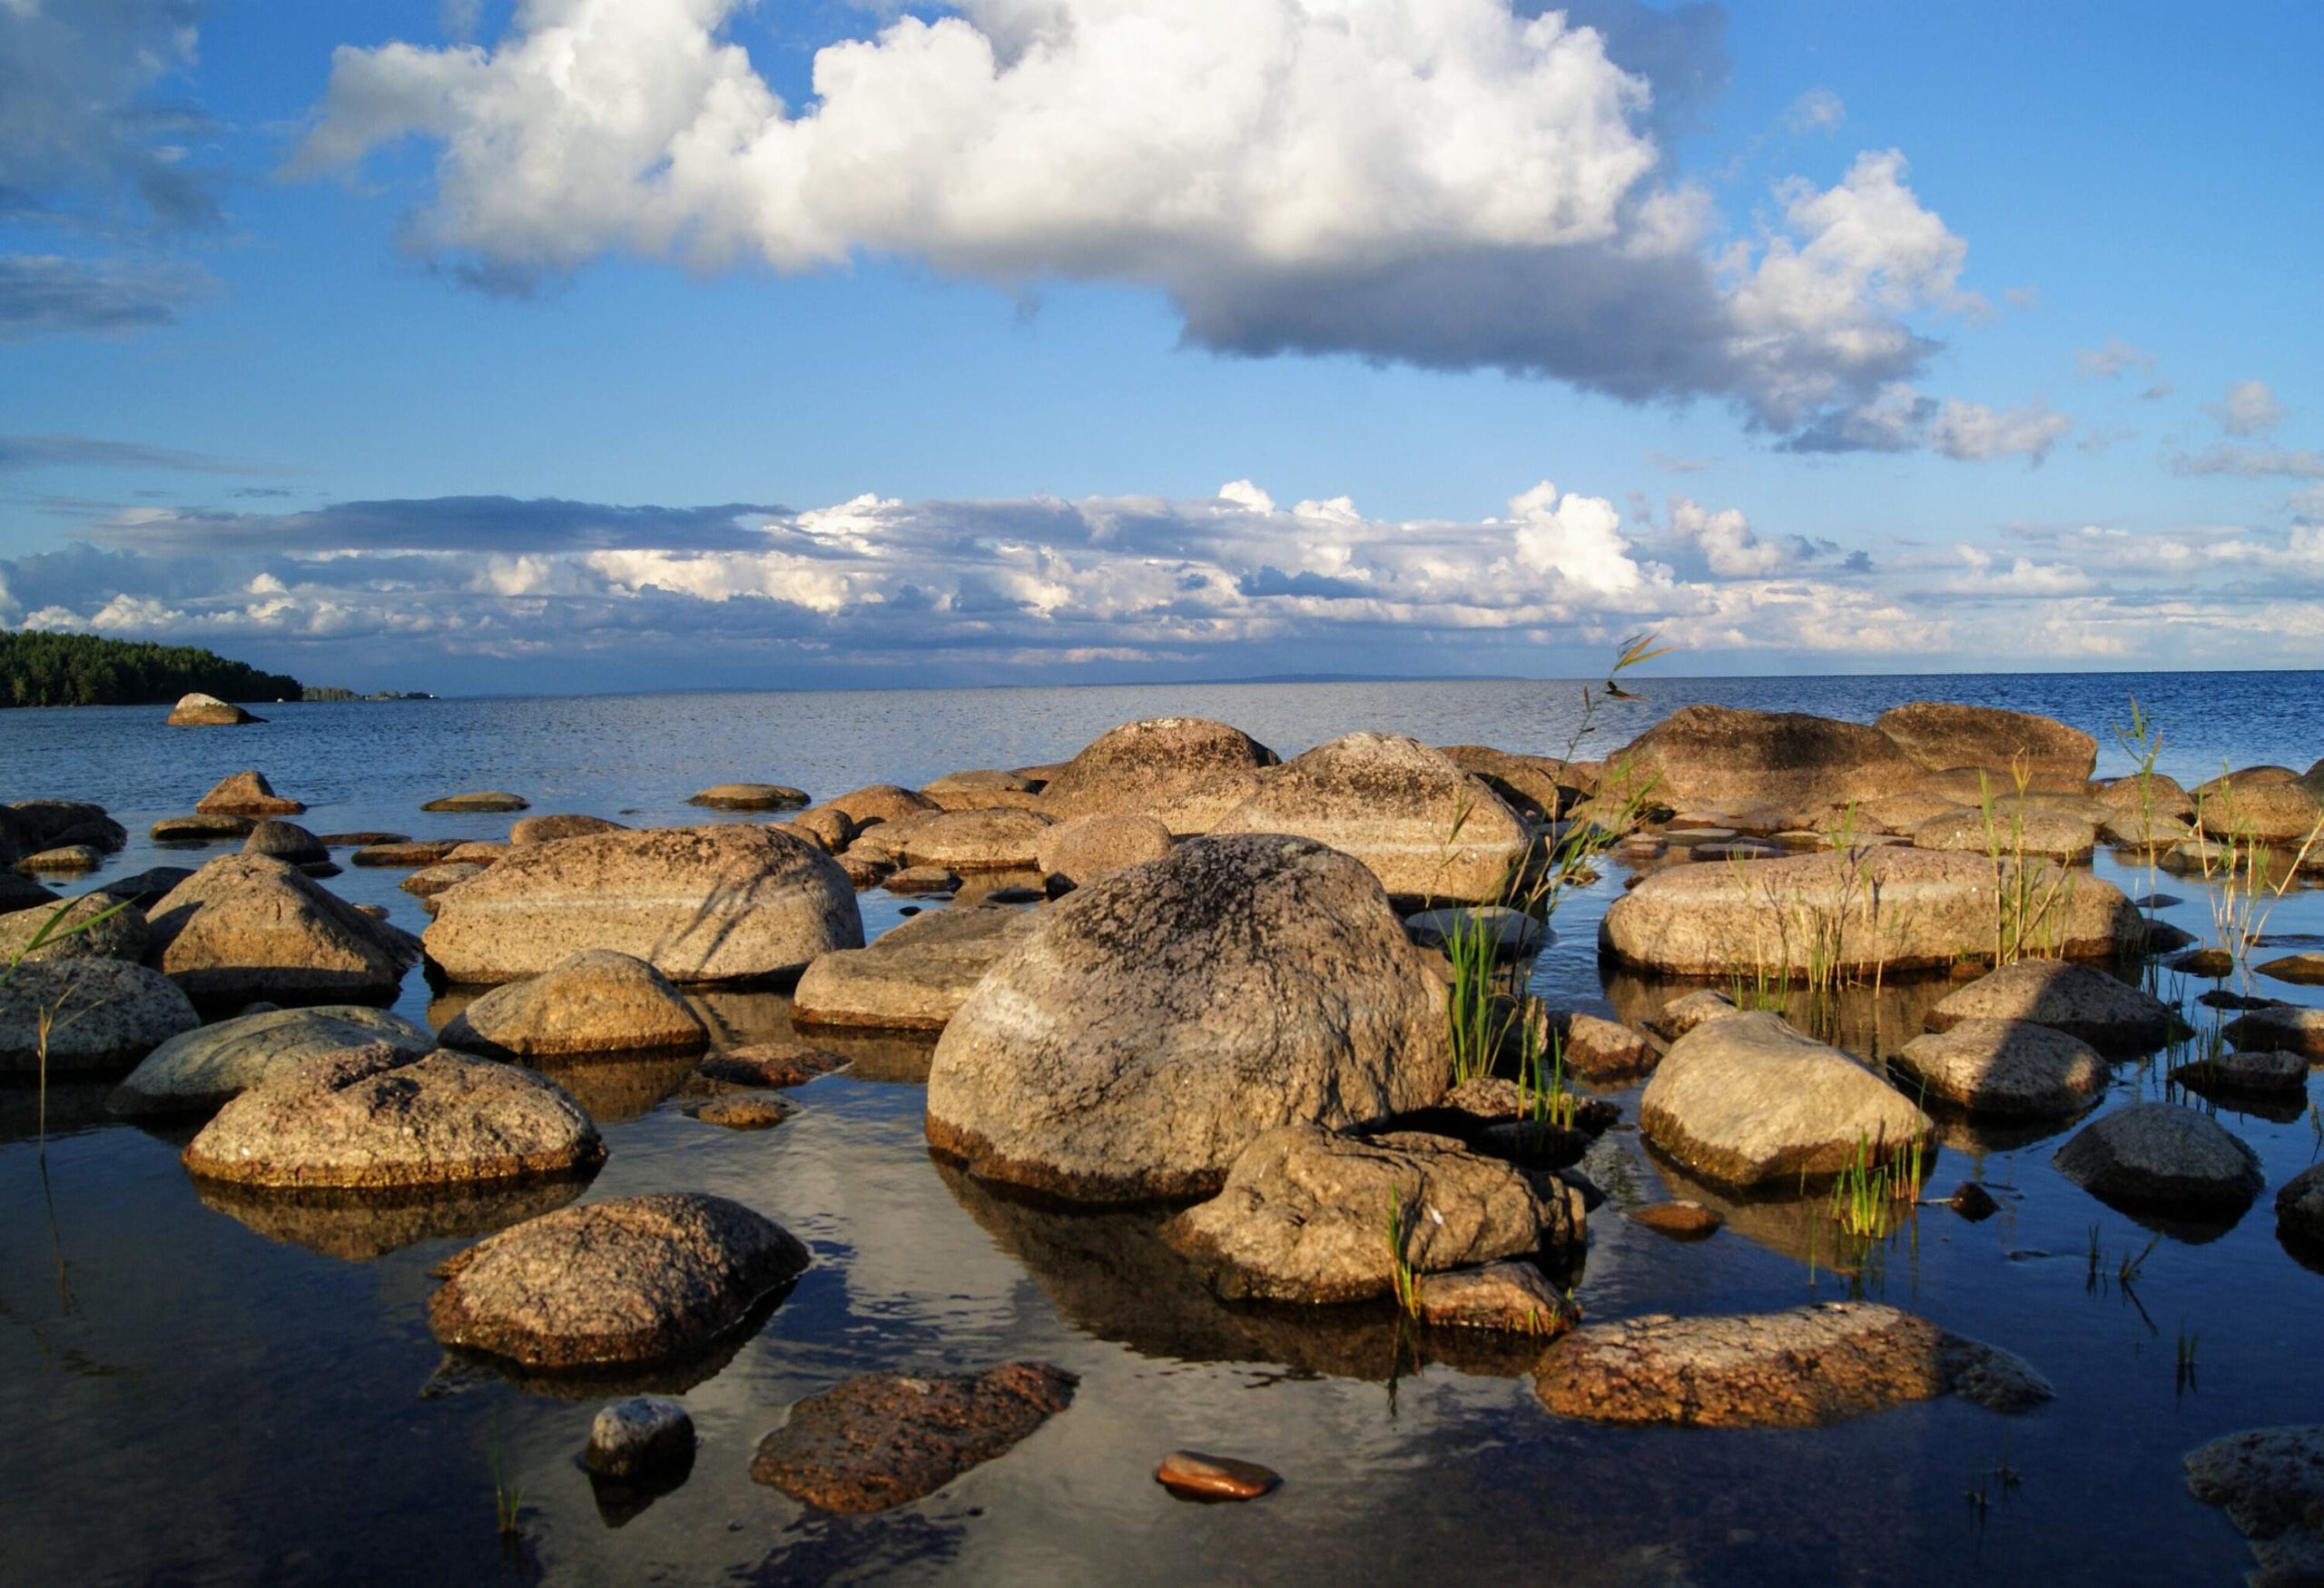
190, 1400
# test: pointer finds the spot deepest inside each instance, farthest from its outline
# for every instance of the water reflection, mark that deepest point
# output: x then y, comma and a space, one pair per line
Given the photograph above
359, 1230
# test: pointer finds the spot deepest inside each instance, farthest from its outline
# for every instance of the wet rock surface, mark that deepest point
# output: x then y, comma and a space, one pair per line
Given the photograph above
599, 1000
1196, 1475
1802, 1368
634, 1437
886, 1438
202, 1070
2108, 1014
2005, 1067
639, 1280
1514, 1298
746, 1111
769, 1064
2162, 1156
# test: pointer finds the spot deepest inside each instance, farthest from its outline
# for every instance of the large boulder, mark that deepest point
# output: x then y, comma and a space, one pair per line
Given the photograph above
2108, 1013
102, 1016
993, 839
1157, 1021
1749, 1102
2164, 1156
916, 977
1537, 787
1082, 849
2258, 813
599, 1001
2271, 1483
1710, 754
1859, 911
205, 1069
1942, 737
245, 927
246, 793
1306, 1212
380, 1118
1802, 1368
624, 1283
2280, 1026
883, 1439
2005, 1068
2043, 834
95, 926
1428, 830
207, 711
697, 903
1186, 772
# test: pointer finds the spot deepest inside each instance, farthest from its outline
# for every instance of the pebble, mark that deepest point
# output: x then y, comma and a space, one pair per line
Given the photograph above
1197, 1476
637, 1436
1680, 1220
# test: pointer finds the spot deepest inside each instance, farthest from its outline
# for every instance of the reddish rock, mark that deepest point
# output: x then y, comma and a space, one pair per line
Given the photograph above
884, 1438
769, 1065
1196, 1476
1679, 1220
246, 793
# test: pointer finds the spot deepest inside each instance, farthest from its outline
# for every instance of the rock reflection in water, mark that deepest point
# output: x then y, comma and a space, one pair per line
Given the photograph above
72, 1105
358, 1230
1865, 1021
617, 1088
671, 1379
1111, 1273
738, 1020
1802, 1228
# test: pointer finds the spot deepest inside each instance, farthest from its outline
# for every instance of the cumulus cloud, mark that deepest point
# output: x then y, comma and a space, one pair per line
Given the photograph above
1973, 432
1898, 418
2248, 408
1451, 183
1725, 538
2251, 462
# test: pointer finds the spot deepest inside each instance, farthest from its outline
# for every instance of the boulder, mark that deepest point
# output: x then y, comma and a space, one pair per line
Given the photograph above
488, 802
884, 1439
624, 1283
1601, 1052
699, 904
207, 711
637, 1437
2232, 1075
426, 852
68, 860
549, 829
95, 926
998, 839
1536, 787
1159, 1021
1305, 1216
2043, 834
431, 880
2106, 1013
750, 796
1703, 755
983, 791
103, 1016
144, 889
2007, 1067
1514, 935
1903, 813
2145, 830
2305, 970
2300, 1206
827, 824
1512, 1297
1082, 849
204, 1069
1749, 1102
18, 892
2295, 1031
882, 801
2164, 1156
916, 977
65, 823
2271, 1482
1801, 1368
475, 852
198, 829
1941, 737
1782, 915
1680, 1015
2258, 813
599, 1001
245, 927
1428, 830
380, 1118
1186, 772
286, 841
246, 793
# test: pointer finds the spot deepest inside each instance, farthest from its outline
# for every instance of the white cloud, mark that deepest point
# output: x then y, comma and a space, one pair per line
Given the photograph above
1973, 432
2248, 408
1818, 109
1726, 539
2113, 359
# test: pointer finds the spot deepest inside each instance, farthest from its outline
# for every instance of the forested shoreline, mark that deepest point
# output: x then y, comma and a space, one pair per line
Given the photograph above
83, 669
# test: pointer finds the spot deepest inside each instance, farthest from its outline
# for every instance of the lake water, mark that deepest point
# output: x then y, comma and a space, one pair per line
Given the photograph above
189, 1397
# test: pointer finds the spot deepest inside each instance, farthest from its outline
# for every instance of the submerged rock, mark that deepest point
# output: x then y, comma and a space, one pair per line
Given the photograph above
1159, 1021
66, 859
1681, 1015
381, 1118
103, 1016
1748, 1100
599, 1001
744, 1111
2003, 1067
2164, 1156
637, 1437
1304, 1215
884, 1438
916, 976
634, 1280
2271, 1482
1706, 755
1681, 1220
769, 1064
2104, 1011
1511, 1297
202, 1070
1425, 828
1601, 1052
207, 711
1802, 1368
488, 802
1187, 772
697, 903
1942, 737
247, 927
246, 793
409, 854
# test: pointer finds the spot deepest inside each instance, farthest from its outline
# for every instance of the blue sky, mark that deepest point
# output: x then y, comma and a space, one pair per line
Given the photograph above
588, 346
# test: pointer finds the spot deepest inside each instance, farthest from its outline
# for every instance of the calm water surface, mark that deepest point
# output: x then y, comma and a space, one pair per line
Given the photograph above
206, 1395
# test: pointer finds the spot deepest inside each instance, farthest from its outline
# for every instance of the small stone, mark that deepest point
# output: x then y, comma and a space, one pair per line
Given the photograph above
1196, 1476
67, 861
638, 1436
1606, 1052
923, 879
488, 801
1973, 1202
769, 1065
1680, 1220
750, 796
746, 1111
2211, 965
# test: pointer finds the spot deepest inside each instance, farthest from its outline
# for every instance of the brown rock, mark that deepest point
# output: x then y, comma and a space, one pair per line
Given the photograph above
831, 827
1604, 1052
245, 927
1537, 787
430, 880
1703, 755
198, 829
2258, 812
102, 1016
2043, 834
1680, 1220
69, 860
1513, 1298
2003, 1067
599, 1000
207, 711
246, 793
923, 879
2102, 1011
1084, 848
1941, 737
750, 796
490, 802
1184, 772
746, 1111
883, 1439
549, 829
882, 801
91, 927
914, 978
2297, 1031
1214, 1477
769, 1064
426, 852
996, 839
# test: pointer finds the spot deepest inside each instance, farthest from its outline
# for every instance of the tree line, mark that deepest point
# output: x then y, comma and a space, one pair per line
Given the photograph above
82, 669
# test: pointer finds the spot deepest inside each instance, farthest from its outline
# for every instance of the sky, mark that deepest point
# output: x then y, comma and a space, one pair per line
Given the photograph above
568, 345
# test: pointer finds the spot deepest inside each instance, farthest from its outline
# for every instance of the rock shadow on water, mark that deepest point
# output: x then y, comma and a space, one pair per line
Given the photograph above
1110, 1273
358, 1228
742, 1020
673, 1376
1864, 1021
73, 1106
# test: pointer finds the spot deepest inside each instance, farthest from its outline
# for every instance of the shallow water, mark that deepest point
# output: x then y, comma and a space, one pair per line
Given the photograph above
222, 1393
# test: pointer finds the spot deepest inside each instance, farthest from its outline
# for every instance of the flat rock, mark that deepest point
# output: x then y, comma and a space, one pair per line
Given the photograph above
425, 852
1184, 772
486, 802
1708, 754
916, 976
922, 879
599, 1001
1425, 828
1934, 909
2295, 1031
95, 926
430, 880
620, 1283
1748, 1100
1196, 1475
2245, 1074
637, 1437
202, 1070
1084, 848
2300, 1206
2164, 1156
65, 859
198, 829
744, 1111
998, 839
245, 927
2271, 1483
207, 711
1303, 1215
769, 1064
1510, 1297
1159, 1021
750, 796
697, 903
886, 1438
1514, 935
2003, 1067
380, 1118
1941, 737
107, 1015
246, 793
2104, 1011
550, 828
1801, 1368
2305, 970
